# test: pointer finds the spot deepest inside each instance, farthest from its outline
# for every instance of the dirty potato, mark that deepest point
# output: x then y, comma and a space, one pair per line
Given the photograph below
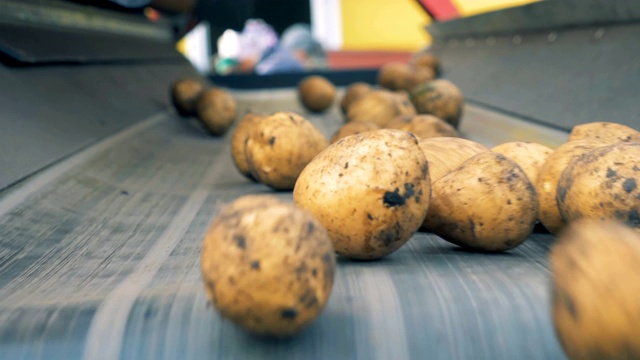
353, 128
486, 204
602, 184
238, 141
184, 93
380, 107
528, 155
423, 126
316, 93
596, 290
280, 146
604, 131
216, 109
444, 154
371, 191
440, 98
353, 93
267, 266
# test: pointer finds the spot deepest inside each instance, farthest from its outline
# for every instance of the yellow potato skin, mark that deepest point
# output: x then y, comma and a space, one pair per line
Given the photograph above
596, 290
267, 266
444, 154
604, 131
371, 191
316, 93
353, 93
379, 107
353, 128
602, 184
216, 109
238, 141
280, 146
423, 126
394, 76
486, 204
528, 155
440, 98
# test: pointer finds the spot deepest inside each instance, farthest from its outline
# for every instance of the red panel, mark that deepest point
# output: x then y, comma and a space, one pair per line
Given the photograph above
365, 59
440, 10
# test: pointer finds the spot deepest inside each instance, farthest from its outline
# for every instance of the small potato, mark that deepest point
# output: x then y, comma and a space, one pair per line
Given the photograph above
394, 76
595, 270
353, 93
280, 146
184, 93
529, 156
371, 191
238, 141
426, 60
316, 93
486, 204
379, 107
440, 98
420, 75
216, 109
445, 154
423, 126
602, 184
353, 128
267, 266
548, 177
604, 131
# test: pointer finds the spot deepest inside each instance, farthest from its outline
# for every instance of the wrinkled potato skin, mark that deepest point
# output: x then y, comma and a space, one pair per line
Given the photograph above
184, 93
216, 109
238, 140
280, 146
353, 128
547, 183
423, 126
604, 131
529, 156
440, 98
602, 184
316, 93
445, 154
394, 76
353, 93
267, 266
379, 107
367, 219
486, 204
596, 283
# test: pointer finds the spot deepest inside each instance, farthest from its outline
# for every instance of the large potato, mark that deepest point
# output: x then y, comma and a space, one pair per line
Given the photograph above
352, 128
444, 154
238, 141
596, 290
184, 93
440, 98
548, 177
280, 146
216, 109
379, 107
423, 126
353, 93
602, 184
267, 265
486, 204
316, 93
528, 155
371, 191
604, 131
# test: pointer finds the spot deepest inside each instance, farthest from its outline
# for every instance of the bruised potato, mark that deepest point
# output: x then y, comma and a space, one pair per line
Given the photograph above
444, 154
423, 126
316, 93
353, 93
184, 93
595, 270
604, 131
267, 266
238, 141
280, 146
379, 107
353, 128
440, 98
216, 109
486, 204
371, 192
528, 155
547, 183
602, 185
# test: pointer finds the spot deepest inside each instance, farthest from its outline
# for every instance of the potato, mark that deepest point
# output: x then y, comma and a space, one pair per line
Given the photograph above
604, 131
216, 109
596, 290
267, 266
184, 93
316, 93
379, 107
440, 98
602, 184
394, 76
280, 146
420, 75
529, 156
486, 204
353, 93
423, 126
238, 141
353, 128
444, 154
371, 192
426, 60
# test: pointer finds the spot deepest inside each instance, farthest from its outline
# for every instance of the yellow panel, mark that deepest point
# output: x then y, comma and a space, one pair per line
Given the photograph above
384, 25
473, 7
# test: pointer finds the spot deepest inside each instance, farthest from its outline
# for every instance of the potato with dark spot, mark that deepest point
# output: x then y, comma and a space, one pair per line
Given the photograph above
595, 270
547, 183
184, 93
605, 131
486, 204
602, 184
238, 141
423, 126
353, 93
528, 155
267, 266
280, 146
440, 98
216, 109
316, 93
394, 76
426, 60
380, 107
371, 192
353, 128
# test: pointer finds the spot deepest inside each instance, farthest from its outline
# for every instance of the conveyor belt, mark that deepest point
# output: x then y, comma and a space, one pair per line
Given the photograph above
99, 259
